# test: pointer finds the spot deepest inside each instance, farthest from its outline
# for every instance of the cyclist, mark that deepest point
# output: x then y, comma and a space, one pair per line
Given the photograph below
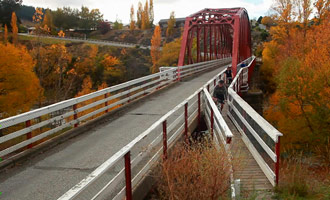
229, 75
220, 93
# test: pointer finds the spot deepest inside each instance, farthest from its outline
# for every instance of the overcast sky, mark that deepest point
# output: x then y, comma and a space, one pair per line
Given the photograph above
120, 9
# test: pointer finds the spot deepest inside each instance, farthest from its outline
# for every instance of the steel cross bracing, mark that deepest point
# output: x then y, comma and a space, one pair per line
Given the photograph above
216, 33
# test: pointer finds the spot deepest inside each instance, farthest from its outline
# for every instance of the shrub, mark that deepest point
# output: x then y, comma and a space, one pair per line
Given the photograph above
197, 172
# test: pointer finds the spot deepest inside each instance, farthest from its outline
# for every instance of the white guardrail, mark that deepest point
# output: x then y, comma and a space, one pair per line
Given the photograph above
117, 177
260, 137
26, 129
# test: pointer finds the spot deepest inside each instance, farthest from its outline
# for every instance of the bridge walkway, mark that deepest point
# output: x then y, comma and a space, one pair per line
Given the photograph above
54, 172
252, 178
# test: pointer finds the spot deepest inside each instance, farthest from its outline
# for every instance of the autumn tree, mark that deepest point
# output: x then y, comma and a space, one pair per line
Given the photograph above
61, 34
169, 55
170, 25
145, 24
14, 28
322, 8
155, 48
267, 21
132, 19
139, 15
151, 13
297, 69
304, 12
5, 39
19, 86
47, 23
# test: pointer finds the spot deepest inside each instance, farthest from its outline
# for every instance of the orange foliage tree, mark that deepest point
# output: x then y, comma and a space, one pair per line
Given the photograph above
14, 28
19, 86
298, 68
155, 48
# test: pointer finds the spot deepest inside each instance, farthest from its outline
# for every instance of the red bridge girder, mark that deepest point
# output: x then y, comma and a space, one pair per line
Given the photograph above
216, 33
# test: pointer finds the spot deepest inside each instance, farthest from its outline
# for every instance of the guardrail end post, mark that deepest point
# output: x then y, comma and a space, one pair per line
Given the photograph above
164, 140
277, 164
29, 134
128, 177
186, 122
75, 116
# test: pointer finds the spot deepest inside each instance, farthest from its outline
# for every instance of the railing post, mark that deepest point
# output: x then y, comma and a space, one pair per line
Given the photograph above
277, 164
214, 82
199, 111
186, 122
128, 177
212, 122
106, 103
208, 87
75, 116
29, 134
164, 140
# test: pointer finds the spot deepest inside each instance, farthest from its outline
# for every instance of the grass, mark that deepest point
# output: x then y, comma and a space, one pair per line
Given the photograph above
199, 172
44, 40
302, 178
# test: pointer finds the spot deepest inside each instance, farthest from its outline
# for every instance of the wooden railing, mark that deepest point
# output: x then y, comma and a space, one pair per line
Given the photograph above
260, 137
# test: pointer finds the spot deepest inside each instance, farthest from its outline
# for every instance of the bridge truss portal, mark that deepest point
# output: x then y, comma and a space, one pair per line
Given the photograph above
216, 33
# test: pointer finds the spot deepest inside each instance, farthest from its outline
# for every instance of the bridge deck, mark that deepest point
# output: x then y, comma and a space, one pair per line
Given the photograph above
245, 167
55, 171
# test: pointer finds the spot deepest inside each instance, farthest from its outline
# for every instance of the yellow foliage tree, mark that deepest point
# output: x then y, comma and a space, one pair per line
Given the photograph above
170, 54
299, 68
14, 28
47, 23
139, 15
155, 48
19, 86
170, 25
132, 20
267, 21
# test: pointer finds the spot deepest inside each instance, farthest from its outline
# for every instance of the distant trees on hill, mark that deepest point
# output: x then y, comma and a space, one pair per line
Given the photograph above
64, 18
145, 15
7, 7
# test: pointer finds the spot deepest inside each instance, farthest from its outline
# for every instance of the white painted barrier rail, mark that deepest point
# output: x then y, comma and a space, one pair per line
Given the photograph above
117, 177
24, 130
260, 137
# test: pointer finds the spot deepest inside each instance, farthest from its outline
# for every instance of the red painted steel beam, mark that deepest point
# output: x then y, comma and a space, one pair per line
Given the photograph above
223, 32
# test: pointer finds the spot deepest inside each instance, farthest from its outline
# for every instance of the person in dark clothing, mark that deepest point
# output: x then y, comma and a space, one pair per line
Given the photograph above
229, 75
220, 93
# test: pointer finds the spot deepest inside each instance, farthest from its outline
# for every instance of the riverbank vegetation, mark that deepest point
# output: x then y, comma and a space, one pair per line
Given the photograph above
296, 76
